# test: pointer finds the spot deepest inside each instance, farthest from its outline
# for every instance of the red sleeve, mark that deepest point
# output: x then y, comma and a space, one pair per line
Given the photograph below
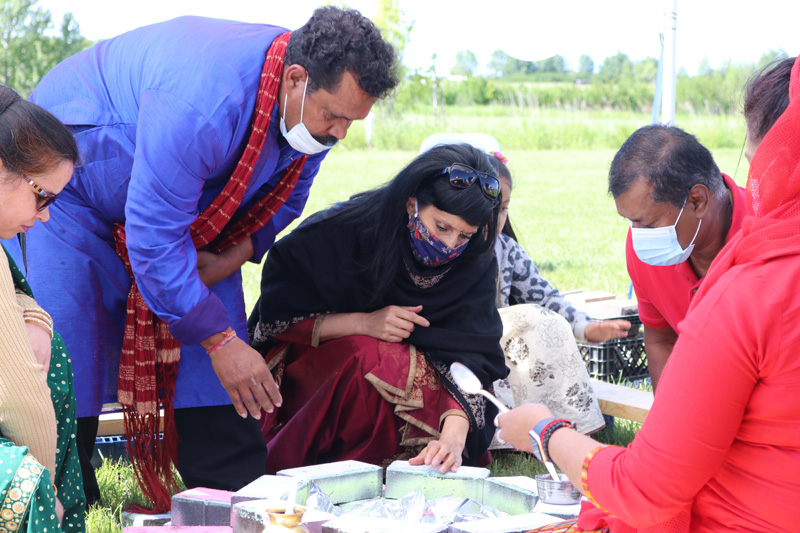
651, 317
701, 401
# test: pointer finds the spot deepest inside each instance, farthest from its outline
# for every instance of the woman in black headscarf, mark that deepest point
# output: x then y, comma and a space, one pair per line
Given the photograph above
364, 307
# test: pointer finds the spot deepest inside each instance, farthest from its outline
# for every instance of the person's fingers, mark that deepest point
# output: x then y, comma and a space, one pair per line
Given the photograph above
456, 464
401, 324
262, 400
402, 332
419, 459
250, 403
272, 390
451, 463
419, 320
441, 458
237, 403
394, 335
432, 450
410, 314
447, 462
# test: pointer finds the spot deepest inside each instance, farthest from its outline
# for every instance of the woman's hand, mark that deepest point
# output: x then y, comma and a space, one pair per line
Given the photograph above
516, 424
40, 342
393, 323
604, 330
448, 449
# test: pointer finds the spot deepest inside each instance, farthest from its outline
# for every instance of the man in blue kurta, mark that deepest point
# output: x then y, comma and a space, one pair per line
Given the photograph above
162, 115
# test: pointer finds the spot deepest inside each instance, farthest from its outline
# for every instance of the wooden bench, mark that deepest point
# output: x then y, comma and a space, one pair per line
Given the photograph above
622, 402
614, 400
112, 424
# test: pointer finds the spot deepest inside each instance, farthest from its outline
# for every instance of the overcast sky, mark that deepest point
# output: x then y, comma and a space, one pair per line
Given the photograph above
720, 30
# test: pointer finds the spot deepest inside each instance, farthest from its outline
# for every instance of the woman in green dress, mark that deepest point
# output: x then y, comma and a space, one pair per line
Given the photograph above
41, 488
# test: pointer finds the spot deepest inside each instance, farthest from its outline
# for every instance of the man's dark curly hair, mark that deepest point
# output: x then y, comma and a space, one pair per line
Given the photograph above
334, 40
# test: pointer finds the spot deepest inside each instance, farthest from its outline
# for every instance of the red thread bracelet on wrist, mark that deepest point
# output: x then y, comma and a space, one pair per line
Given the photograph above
227, 336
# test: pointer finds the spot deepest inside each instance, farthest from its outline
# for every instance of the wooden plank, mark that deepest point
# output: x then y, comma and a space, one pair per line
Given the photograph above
622, 402
113, 424
614, 400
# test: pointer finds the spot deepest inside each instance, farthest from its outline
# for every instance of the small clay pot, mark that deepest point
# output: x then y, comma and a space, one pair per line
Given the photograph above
280, 522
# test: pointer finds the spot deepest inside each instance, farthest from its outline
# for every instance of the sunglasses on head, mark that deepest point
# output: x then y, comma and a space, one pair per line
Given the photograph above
462, 176
43, 199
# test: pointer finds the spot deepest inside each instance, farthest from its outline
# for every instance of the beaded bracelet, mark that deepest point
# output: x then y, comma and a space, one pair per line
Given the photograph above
548, 431
585, 475
227, 336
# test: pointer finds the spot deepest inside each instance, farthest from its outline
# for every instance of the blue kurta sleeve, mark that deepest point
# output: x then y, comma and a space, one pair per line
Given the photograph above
176, 149
265, 237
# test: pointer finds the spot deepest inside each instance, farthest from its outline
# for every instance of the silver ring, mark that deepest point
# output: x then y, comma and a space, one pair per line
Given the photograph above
497, 436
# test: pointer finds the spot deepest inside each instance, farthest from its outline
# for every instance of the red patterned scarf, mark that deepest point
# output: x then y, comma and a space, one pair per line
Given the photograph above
147, 339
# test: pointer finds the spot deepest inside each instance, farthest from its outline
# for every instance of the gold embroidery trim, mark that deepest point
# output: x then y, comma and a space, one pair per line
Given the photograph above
20, 491
425, 282
316, 331
403, 403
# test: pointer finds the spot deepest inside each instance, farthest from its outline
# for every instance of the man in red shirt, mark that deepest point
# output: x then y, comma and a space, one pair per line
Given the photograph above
682, 211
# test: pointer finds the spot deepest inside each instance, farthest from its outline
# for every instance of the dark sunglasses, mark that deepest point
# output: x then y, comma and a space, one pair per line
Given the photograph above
43, 199
462, 176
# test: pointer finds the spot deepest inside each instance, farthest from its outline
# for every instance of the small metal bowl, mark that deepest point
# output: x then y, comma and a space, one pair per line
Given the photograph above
560, 492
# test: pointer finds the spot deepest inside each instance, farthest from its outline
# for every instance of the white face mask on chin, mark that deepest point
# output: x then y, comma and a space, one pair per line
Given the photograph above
299, 137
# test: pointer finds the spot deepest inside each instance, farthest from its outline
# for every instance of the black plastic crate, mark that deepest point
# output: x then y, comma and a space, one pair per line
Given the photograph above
111, 448
614, 360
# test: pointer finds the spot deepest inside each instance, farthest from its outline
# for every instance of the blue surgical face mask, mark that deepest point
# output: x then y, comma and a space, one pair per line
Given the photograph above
660, 246
427, 249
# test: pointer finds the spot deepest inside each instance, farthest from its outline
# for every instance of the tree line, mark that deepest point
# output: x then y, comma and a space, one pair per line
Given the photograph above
618, 84
28, 50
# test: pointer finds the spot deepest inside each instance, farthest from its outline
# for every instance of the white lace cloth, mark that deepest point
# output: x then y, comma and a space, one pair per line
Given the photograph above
546, 367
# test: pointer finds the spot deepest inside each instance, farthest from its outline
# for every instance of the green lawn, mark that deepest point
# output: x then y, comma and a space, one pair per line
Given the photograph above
560, 209
563, 216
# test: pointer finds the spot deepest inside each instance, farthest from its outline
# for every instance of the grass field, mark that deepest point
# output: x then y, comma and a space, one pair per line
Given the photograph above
560, 209
561, 212
533, 128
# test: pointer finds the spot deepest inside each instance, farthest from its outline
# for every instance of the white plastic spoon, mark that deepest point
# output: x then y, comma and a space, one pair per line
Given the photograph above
469, 382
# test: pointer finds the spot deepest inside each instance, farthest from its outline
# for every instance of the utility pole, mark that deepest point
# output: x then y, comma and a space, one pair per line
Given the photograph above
670, 34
